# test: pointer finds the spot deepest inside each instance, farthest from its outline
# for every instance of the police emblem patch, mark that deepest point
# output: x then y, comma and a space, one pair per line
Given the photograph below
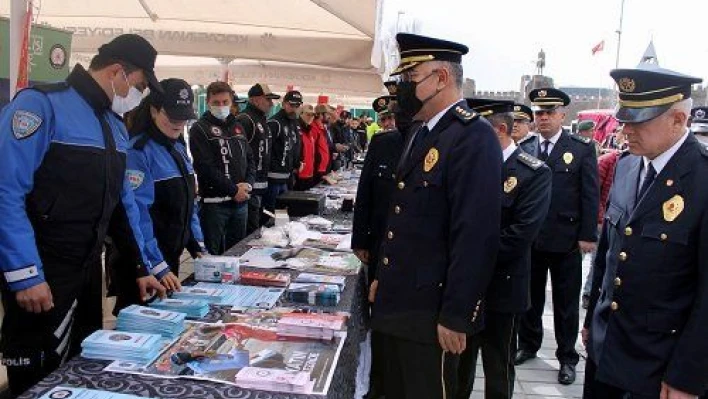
510, 184
183, 94
260, 128
431, 159
135, 178
25, 124
568, 158
216, 131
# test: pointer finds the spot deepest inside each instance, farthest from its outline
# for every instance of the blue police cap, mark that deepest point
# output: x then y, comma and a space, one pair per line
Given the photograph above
416, 49
648, 91
522, 112
699, 120
488, 107
548, 99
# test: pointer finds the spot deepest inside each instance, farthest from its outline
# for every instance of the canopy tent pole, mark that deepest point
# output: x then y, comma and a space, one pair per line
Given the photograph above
18, 13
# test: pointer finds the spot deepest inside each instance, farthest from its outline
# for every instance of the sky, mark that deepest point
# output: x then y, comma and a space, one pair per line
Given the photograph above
505, 36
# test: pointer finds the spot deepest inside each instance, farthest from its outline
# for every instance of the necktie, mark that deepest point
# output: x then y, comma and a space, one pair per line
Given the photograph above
544, 153
646, 183
420, 137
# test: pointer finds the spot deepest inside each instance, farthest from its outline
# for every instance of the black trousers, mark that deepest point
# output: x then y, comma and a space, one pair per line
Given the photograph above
593, 389
498, 344
34, 345
418, 371
255, 218
566, 278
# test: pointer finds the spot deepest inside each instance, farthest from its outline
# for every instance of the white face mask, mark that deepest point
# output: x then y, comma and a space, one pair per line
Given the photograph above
220, 112
121, 105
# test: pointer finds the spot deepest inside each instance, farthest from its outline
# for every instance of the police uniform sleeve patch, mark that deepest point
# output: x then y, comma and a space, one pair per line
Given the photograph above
530, 161
582, 139
135, 178
25, 124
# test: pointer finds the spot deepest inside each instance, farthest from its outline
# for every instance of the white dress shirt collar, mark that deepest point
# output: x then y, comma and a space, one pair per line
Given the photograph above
509, 150
435, 119
659, 163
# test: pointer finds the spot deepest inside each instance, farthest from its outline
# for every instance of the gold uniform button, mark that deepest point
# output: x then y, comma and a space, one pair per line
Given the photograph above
390, 235
397, 209
618, 281
628, 231
385, 261
614, 306
623, 256
401, 185
663, 237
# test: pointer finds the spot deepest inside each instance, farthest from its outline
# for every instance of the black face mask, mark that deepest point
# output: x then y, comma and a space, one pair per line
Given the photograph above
408, 102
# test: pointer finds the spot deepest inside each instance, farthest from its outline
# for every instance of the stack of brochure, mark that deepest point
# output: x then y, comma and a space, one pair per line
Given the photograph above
275, 380
121, 345
142, 319
340, 281
211, 295
194, 308
313, 294
310, 325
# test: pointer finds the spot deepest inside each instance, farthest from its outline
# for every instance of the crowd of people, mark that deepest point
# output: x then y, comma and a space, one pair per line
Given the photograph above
464, 208
448, 280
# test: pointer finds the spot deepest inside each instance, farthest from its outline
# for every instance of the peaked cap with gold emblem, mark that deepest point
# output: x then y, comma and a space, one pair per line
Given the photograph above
416, 49
648, 91
548, 99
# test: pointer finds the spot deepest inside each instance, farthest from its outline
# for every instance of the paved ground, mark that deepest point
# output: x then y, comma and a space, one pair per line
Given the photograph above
538, 378
534, 380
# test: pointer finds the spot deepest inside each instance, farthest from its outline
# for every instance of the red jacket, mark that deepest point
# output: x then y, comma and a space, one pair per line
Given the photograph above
321, 146
606, 172
308, 153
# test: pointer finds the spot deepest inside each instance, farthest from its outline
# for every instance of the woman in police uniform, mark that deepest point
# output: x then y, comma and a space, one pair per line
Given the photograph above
162, 178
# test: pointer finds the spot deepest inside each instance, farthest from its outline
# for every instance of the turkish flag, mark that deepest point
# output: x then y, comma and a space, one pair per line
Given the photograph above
598, 47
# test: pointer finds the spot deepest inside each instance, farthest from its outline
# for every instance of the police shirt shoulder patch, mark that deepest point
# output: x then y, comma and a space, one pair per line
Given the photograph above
530, 137
530, 161
25, 124
581, 139
135, 178
464, 114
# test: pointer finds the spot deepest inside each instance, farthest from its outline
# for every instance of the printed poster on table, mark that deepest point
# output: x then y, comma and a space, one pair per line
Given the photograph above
217, 353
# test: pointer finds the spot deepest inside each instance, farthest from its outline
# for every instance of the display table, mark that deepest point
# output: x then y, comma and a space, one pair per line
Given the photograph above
85, 373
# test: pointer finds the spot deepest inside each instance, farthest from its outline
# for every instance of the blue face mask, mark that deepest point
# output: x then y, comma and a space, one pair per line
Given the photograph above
220, 112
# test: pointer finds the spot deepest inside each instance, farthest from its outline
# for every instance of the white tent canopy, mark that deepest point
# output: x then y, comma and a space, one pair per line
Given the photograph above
331, 33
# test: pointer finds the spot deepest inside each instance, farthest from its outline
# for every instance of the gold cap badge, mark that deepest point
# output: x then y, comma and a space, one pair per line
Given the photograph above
673, 208
627, 85
431, 159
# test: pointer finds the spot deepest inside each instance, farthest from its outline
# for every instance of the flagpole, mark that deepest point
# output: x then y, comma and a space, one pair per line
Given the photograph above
619, 36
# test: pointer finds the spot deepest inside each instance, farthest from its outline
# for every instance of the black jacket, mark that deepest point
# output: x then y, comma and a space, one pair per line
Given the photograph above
442, 233
222, 156
378, 179
649, 309
285, 149
526, 195
257, 132
575, 197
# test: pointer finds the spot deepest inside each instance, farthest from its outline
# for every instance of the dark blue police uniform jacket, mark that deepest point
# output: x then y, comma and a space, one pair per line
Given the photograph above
649, 310
526, 186
575, 197
440, 246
